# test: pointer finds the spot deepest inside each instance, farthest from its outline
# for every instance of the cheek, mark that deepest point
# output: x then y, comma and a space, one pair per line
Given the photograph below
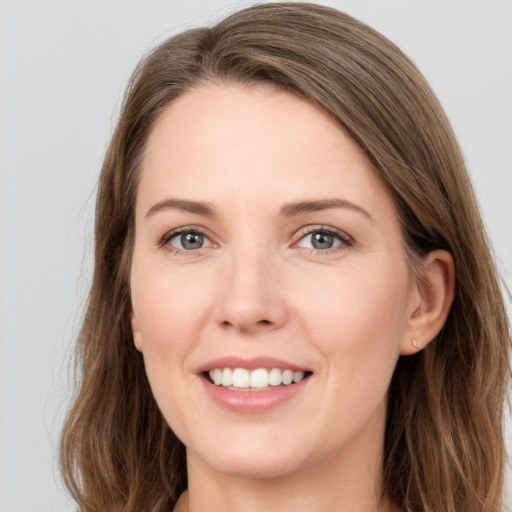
169, 308
362, 311
169, 316
357, 322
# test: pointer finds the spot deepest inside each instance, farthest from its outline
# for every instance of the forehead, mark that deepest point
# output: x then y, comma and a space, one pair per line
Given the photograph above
227, 141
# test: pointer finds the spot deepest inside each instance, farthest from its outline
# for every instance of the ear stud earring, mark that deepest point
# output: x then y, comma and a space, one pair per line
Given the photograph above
415, 342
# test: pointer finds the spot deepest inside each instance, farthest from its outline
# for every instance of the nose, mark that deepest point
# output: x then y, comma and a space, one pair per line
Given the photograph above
251, 298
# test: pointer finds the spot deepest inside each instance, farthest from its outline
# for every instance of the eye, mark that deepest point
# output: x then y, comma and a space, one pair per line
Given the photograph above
185, 240
324, 239
188, 241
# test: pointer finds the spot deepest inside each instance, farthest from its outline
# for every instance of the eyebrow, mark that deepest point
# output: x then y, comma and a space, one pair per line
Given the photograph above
196, 207
288, 210
298, 208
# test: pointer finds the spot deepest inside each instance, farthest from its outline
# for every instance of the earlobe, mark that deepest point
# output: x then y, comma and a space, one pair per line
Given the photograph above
137, 340
436, 290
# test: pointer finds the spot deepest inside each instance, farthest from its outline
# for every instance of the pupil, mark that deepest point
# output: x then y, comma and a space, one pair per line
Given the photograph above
322, 241
192, 241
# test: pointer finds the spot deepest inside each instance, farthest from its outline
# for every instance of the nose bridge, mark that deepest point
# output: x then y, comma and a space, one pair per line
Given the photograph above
251, 298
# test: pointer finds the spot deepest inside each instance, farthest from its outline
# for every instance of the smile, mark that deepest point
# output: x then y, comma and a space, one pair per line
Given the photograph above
259, 379
247, 385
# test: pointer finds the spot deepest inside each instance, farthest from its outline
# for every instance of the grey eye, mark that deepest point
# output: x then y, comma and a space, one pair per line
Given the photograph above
191, 241
322, 240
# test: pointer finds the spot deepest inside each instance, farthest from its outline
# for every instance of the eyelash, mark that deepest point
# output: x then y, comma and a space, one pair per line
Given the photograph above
345, 240
165, 240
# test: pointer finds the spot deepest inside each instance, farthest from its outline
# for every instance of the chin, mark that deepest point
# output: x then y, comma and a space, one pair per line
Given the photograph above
249, 459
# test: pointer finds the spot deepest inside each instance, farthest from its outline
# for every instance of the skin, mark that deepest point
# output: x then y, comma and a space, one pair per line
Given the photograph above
257, 287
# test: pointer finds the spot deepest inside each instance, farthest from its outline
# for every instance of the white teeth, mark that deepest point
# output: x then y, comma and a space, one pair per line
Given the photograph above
274, 377
240, 378
298, 376
260, 378
217, 376
227, 377
287, 377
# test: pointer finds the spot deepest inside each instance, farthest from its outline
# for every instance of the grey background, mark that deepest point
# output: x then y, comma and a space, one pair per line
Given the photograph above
63, 68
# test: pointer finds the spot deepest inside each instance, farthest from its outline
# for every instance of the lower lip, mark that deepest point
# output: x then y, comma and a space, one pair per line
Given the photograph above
252, 401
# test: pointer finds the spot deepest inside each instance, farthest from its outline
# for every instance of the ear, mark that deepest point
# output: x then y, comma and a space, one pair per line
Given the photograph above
137, 337
435, 290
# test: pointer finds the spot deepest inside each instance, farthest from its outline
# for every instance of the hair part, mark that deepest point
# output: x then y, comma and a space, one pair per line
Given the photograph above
444, 447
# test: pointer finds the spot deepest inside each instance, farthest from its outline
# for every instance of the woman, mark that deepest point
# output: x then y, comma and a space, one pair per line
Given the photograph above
293, 303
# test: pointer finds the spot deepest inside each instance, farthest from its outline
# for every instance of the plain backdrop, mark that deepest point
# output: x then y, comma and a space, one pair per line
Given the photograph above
63, 69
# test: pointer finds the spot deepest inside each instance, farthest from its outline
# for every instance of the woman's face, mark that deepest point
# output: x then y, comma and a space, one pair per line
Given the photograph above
266, 250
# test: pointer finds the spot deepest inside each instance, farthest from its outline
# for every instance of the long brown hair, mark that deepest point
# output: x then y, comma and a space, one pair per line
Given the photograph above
444, 447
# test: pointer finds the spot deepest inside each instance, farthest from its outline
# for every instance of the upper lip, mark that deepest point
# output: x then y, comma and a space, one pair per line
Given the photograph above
250, 363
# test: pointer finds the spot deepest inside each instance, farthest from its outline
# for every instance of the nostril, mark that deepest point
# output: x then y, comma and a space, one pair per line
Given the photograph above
226, 324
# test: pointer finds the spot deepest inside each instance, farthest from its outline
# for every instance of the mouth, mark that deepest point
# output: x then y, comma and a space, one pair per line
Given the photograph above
247, 385
258, 379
